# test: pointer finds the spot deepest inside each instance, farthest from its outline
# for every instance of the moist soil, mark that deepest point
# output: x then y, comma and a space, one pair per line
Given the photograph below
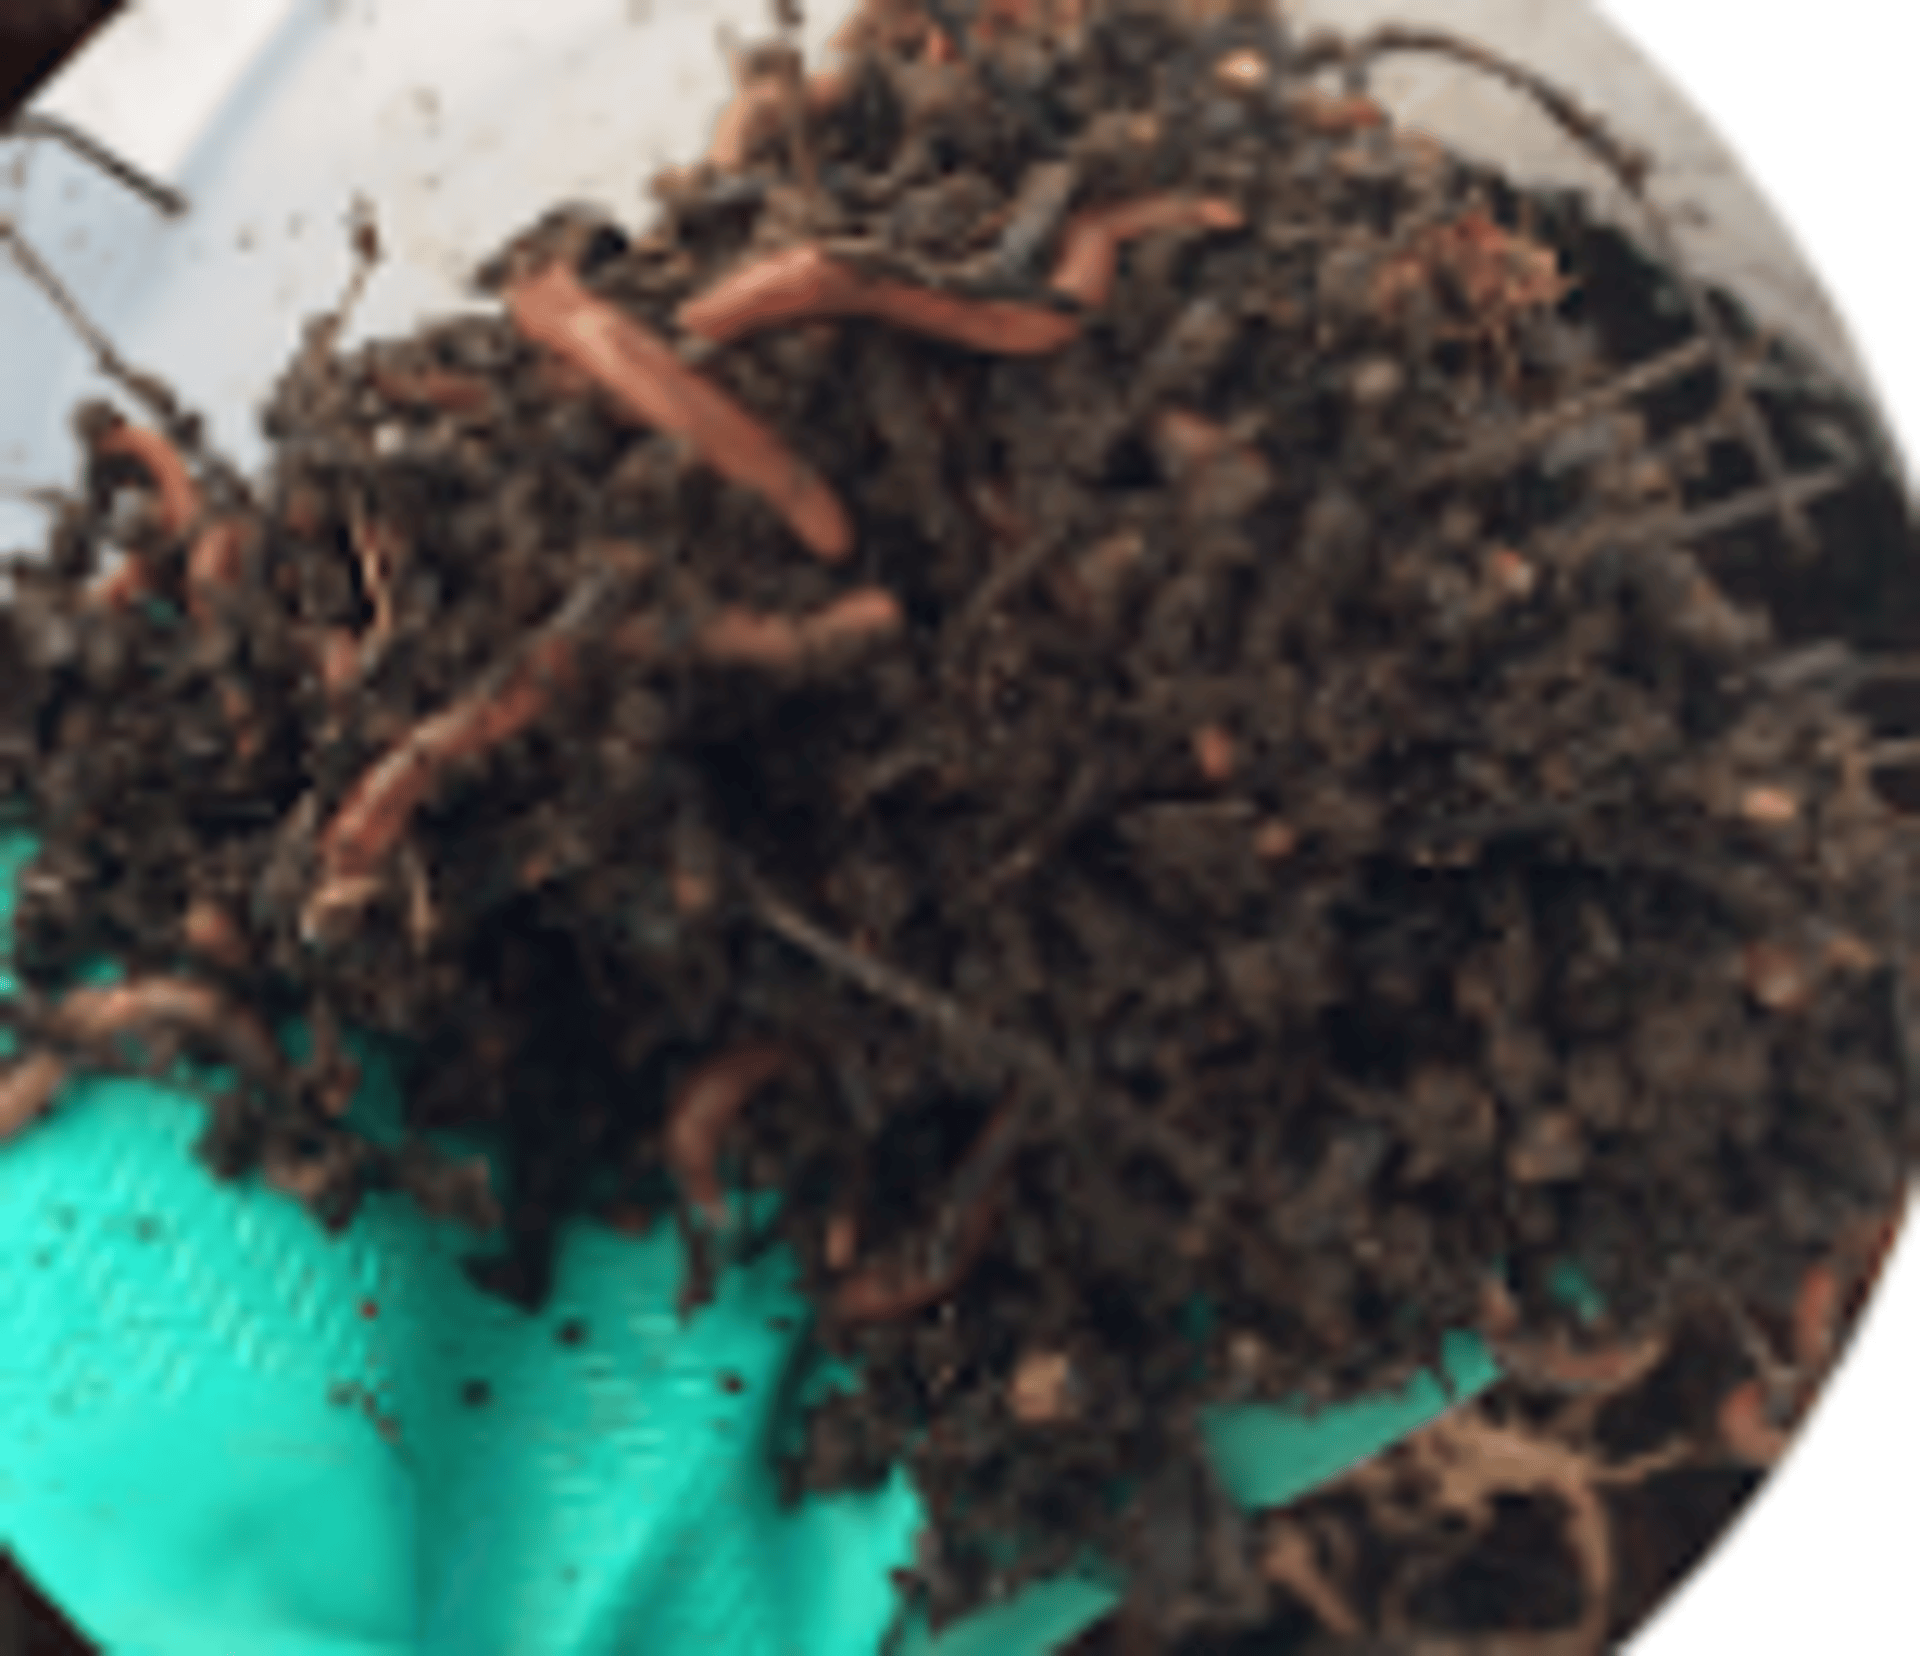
1213, 742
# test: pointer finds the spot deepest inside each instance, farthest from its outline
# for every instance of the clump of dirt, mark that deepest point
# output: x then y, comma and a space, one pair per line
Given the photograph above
1217, 743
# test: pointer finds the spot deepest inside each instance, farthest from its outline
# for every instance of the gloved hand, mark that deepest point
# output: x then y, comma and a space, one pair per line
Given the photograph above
227, 1432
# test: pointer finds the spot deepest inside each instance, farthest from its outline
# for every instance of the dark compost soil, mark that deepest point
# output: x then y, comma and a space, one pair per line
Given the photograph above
1216, 742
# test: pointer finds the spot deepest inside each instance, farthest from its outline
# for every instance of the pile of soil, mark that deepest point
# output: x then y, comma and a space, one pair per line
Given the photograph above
1214, 741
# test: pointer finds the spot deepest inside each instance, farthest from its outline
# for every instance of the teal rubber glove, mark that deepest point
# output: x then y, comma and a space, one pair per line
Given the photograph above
228, 1433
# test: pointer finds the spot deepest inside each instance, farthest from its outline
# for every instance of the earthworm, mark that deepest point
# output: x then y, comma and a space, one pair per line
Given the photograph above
805, 283
734, 636
436, 388
1329, 116
213, 565
132, 579
27, 1089
642, 374
739, 637
708, 1103
1746, 1429
1214, 754
1816, 1319
209, 931
372, 819
95, 1017
179, 495
882, 1292
1090, 249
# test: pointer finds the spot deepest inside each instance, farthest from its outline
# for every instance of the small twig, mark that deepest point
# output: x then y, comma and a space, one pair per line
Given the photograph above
1492, 455
42, 495
939, 1012
1026, 563
1633, 168
161, 196
1087, 785
1630, 164
141, 386
1795, 493
1705, 522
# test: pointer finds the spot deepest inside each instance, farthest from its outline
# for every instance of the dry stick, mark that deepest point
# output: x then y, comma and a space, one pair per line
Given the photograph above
1494, 454
1027, 562
1687, 528
1054, 1087
144, 388
642, 374
940, 1012
1797, 493
161, 196
1632, 167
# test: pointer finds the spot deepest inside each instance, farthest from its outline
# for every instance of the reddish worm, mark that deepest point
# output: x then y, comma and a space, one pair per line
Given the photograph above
885, 1291
642, 374
213, 562
27, 1089
372, 820
706, 1106
179, 506
93, 1017
806, 283
179, 496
